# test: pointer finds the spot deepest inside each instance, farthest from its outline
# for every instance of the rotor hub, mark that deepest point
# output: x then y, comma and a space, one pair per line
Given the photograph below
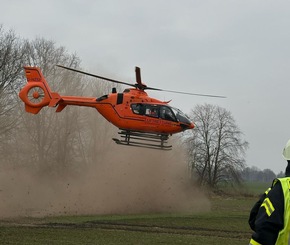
36, 95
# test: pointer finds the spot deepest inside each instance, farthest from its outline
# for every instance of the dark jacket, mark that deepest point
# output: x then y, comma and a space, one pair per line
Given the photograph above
267, 227
267, 220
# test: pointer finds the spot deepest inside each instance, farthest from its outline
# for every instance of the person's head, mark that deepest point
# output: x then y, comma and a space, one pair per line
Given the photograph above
286, 155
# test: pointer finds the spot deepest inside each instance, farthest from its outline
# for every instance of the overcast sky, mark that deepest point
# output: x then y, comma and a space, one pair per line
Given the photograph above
236, 48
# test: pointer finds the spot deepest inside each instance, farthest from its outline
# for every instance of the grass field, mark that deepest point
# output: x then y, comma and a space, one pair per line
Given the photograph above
226, 223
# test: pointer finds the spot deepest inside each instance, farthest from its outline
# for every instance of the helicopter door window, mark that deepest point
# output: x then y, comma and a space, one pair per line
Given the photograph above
151, 111
167, 114
147, 110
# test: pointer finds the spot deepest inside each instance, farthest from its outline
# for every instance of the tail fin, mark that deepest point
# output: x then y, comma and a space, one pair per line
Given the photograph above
36, 93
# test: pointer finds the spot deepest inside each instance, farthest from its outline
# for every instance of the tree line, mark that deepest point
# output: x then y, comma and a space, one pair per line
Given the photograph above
254, 174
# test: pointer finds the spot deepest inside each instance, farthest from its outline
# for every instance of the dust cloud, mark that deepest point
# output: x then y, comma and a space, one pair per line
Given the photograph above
128, 180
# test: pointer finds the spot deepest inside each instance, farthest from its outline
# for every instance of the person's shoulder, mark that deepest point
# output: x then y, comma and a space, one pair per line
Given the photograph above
276, 189
281, 180
276, 183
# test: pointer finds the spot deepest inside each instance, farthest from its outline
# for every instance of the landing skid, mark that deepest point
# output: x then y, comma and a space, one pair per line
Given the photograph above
141, 139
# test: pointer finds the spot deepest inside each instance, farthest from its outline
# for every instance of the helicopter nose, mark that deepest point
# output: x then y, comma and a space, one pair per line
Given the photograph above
187, 126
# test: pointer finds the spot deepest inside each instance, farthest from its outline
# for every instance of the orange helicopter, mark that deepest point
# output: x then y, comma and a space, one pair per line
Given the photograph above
143, 121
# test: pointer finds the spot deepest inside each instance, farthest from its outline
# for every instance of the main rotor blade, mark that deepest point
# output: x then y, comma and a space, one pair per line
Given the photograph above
178, 92
92, 75
139, 83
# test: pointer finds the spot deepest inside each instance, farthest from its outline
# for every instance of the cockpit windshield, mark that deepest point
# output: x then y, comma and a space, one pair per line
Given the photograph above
181, 117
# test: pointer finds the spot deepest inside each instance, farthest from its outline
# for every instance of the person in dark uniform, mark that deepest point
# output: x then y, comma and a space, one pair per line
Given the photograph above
270, 216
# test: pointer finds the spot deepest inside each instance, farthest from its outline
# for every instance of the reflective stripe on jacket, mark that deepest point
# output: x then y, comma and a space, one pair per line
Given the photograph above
253, 242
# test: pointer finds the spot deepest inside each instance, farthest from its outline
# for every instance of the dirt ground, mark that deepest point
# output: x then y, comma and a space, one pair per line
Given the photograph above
126, 181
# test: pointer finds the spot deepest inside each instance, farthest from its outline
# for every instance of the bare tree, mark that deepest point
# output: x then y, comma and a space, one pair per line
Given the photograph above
50, 136
11, 58
216, 148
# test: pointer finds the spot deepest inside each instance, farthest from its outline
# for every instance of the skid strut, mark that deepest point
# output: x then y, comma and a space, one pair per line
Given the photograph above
141, 139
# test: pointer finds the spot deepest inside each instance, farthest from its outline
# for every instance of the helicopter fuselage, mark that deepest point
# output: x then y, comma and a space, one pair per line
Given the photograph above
134, 110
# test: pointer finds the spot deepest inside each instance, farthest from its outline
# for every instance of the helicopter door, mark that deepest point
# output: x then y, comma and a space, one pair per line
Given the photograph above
146, 110
152, 111
138, 108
